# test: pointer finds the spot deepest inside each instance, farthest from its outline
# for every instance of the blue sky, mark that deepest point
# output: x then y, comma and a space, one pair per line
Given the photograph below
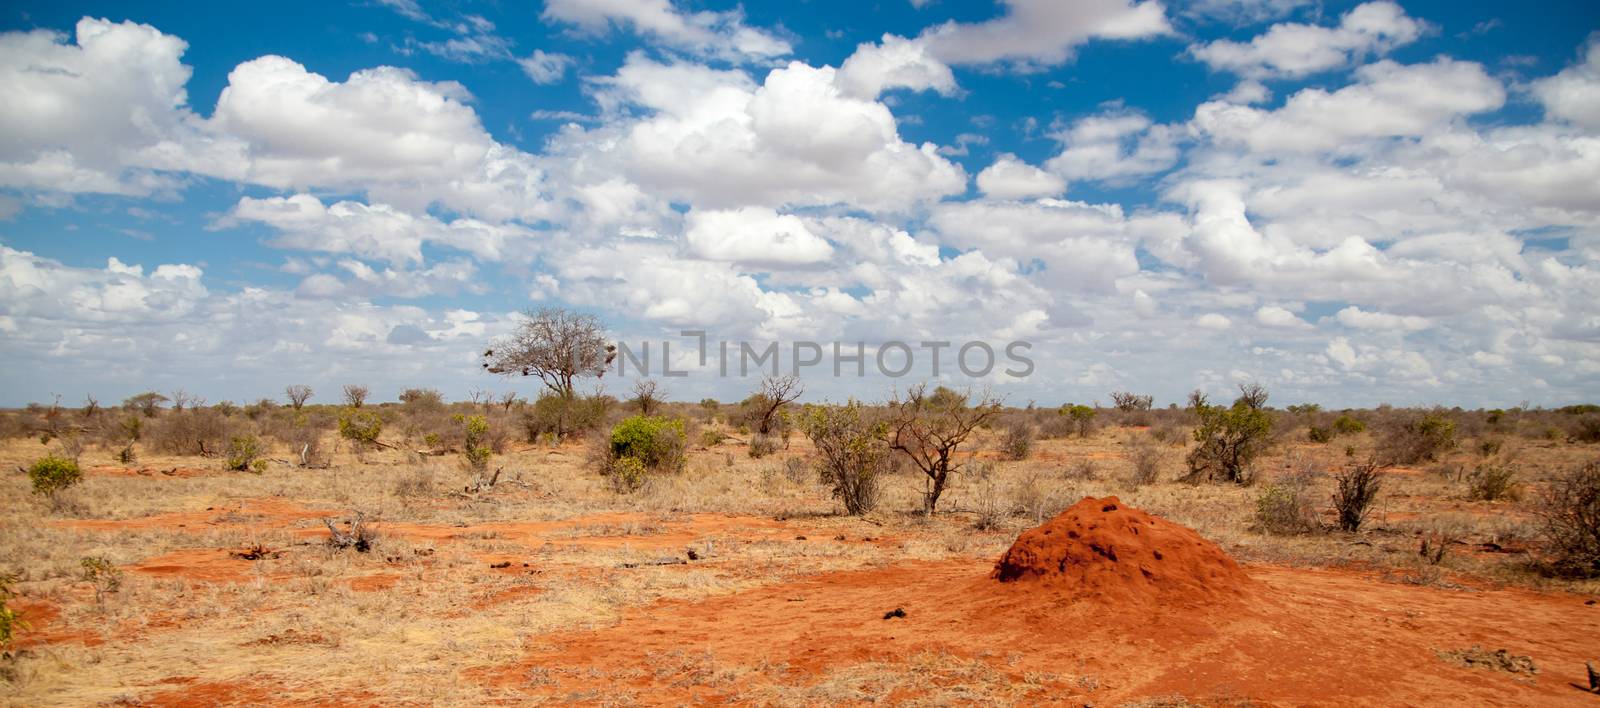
1351, 202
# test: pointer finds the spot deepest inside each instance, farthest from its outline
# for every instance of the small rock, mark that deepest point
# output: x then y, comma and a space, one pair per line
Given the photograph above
799, 538
896, 612
501, 564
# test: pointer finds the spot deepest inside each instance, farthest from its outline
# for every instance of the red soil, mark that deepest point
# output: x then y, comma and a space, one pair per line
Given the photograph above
1104, 550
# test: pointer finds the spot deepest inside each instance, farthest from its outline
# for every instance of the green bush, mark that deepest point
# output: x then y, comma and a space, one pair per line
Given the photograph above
1319, 434
851, 453
626, 474
1284, 508
1347, 425
1230, 438
10, 620
244, 454
1082, 418
1492, 481
360, 426
474, 449
51, 474
641, 445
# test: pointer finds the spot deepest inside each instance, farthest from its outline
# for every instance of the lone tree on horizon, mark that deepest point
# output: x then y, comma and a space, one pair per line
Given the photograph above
555, 344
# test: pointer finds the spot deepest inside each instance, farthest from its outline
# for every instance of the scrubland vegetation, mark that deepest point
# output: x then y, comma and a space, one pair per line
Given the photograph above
169, 540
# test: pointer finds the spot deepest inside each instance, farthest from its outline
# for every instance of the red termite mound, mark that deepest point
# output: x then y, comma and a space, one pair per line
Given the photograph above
1100, 549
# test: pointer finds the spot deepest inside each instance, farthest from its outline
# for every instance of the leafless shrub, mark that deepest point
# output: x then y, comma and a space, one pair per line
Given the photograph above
1356, 491
1419, 438
1082, 469
193, 431
1147, 461
647, 396
1018, 441
1569, 514
762, 445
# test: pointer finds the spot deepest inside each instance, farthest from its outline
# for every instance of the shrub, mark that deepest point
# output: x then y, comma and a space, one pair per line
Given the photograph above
1130, 402
1569, 514
192, 431
244, 454
1493, 480
928, 427
1285, 508
101, 574
52, 473
1082, 470
553, 415
1318, 434
1146, 459
1082, 418
10, 620
762, 444
422, 398
626, 474
305, 442
360, 426
1347, 425
851, 455
1230, 438
1587, 429
711, 438
1356, 491
1420, 439
474, 451
641, 445
1018, 441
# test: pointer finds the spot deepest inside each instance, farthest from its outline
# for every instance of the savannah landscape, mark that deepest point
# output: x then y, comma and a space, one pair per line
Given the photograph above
1207, 353
586, 548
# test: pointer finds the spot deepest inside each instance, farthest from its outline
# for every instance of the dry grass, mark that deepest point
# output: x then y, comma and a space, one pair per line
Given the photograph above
422, 615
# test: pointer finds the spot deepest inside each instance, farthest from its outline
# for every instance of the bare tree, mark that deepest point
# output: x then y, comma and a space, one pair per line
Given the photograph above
555, 345
298, 394
355, 395
181, 399
507, 400
928, 427
1128, 402
647, 395
775, 393
91, 406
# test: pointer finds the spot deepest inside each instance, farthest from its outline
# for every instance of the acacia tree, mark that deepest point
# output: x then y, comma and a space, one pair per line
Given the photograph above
297, 394
928, 427
554, 344
148, 403
775, 393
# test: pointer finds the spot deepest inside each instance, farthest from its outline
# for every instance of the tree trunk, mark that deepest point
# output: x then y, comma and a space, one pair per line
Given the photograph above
932, 499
